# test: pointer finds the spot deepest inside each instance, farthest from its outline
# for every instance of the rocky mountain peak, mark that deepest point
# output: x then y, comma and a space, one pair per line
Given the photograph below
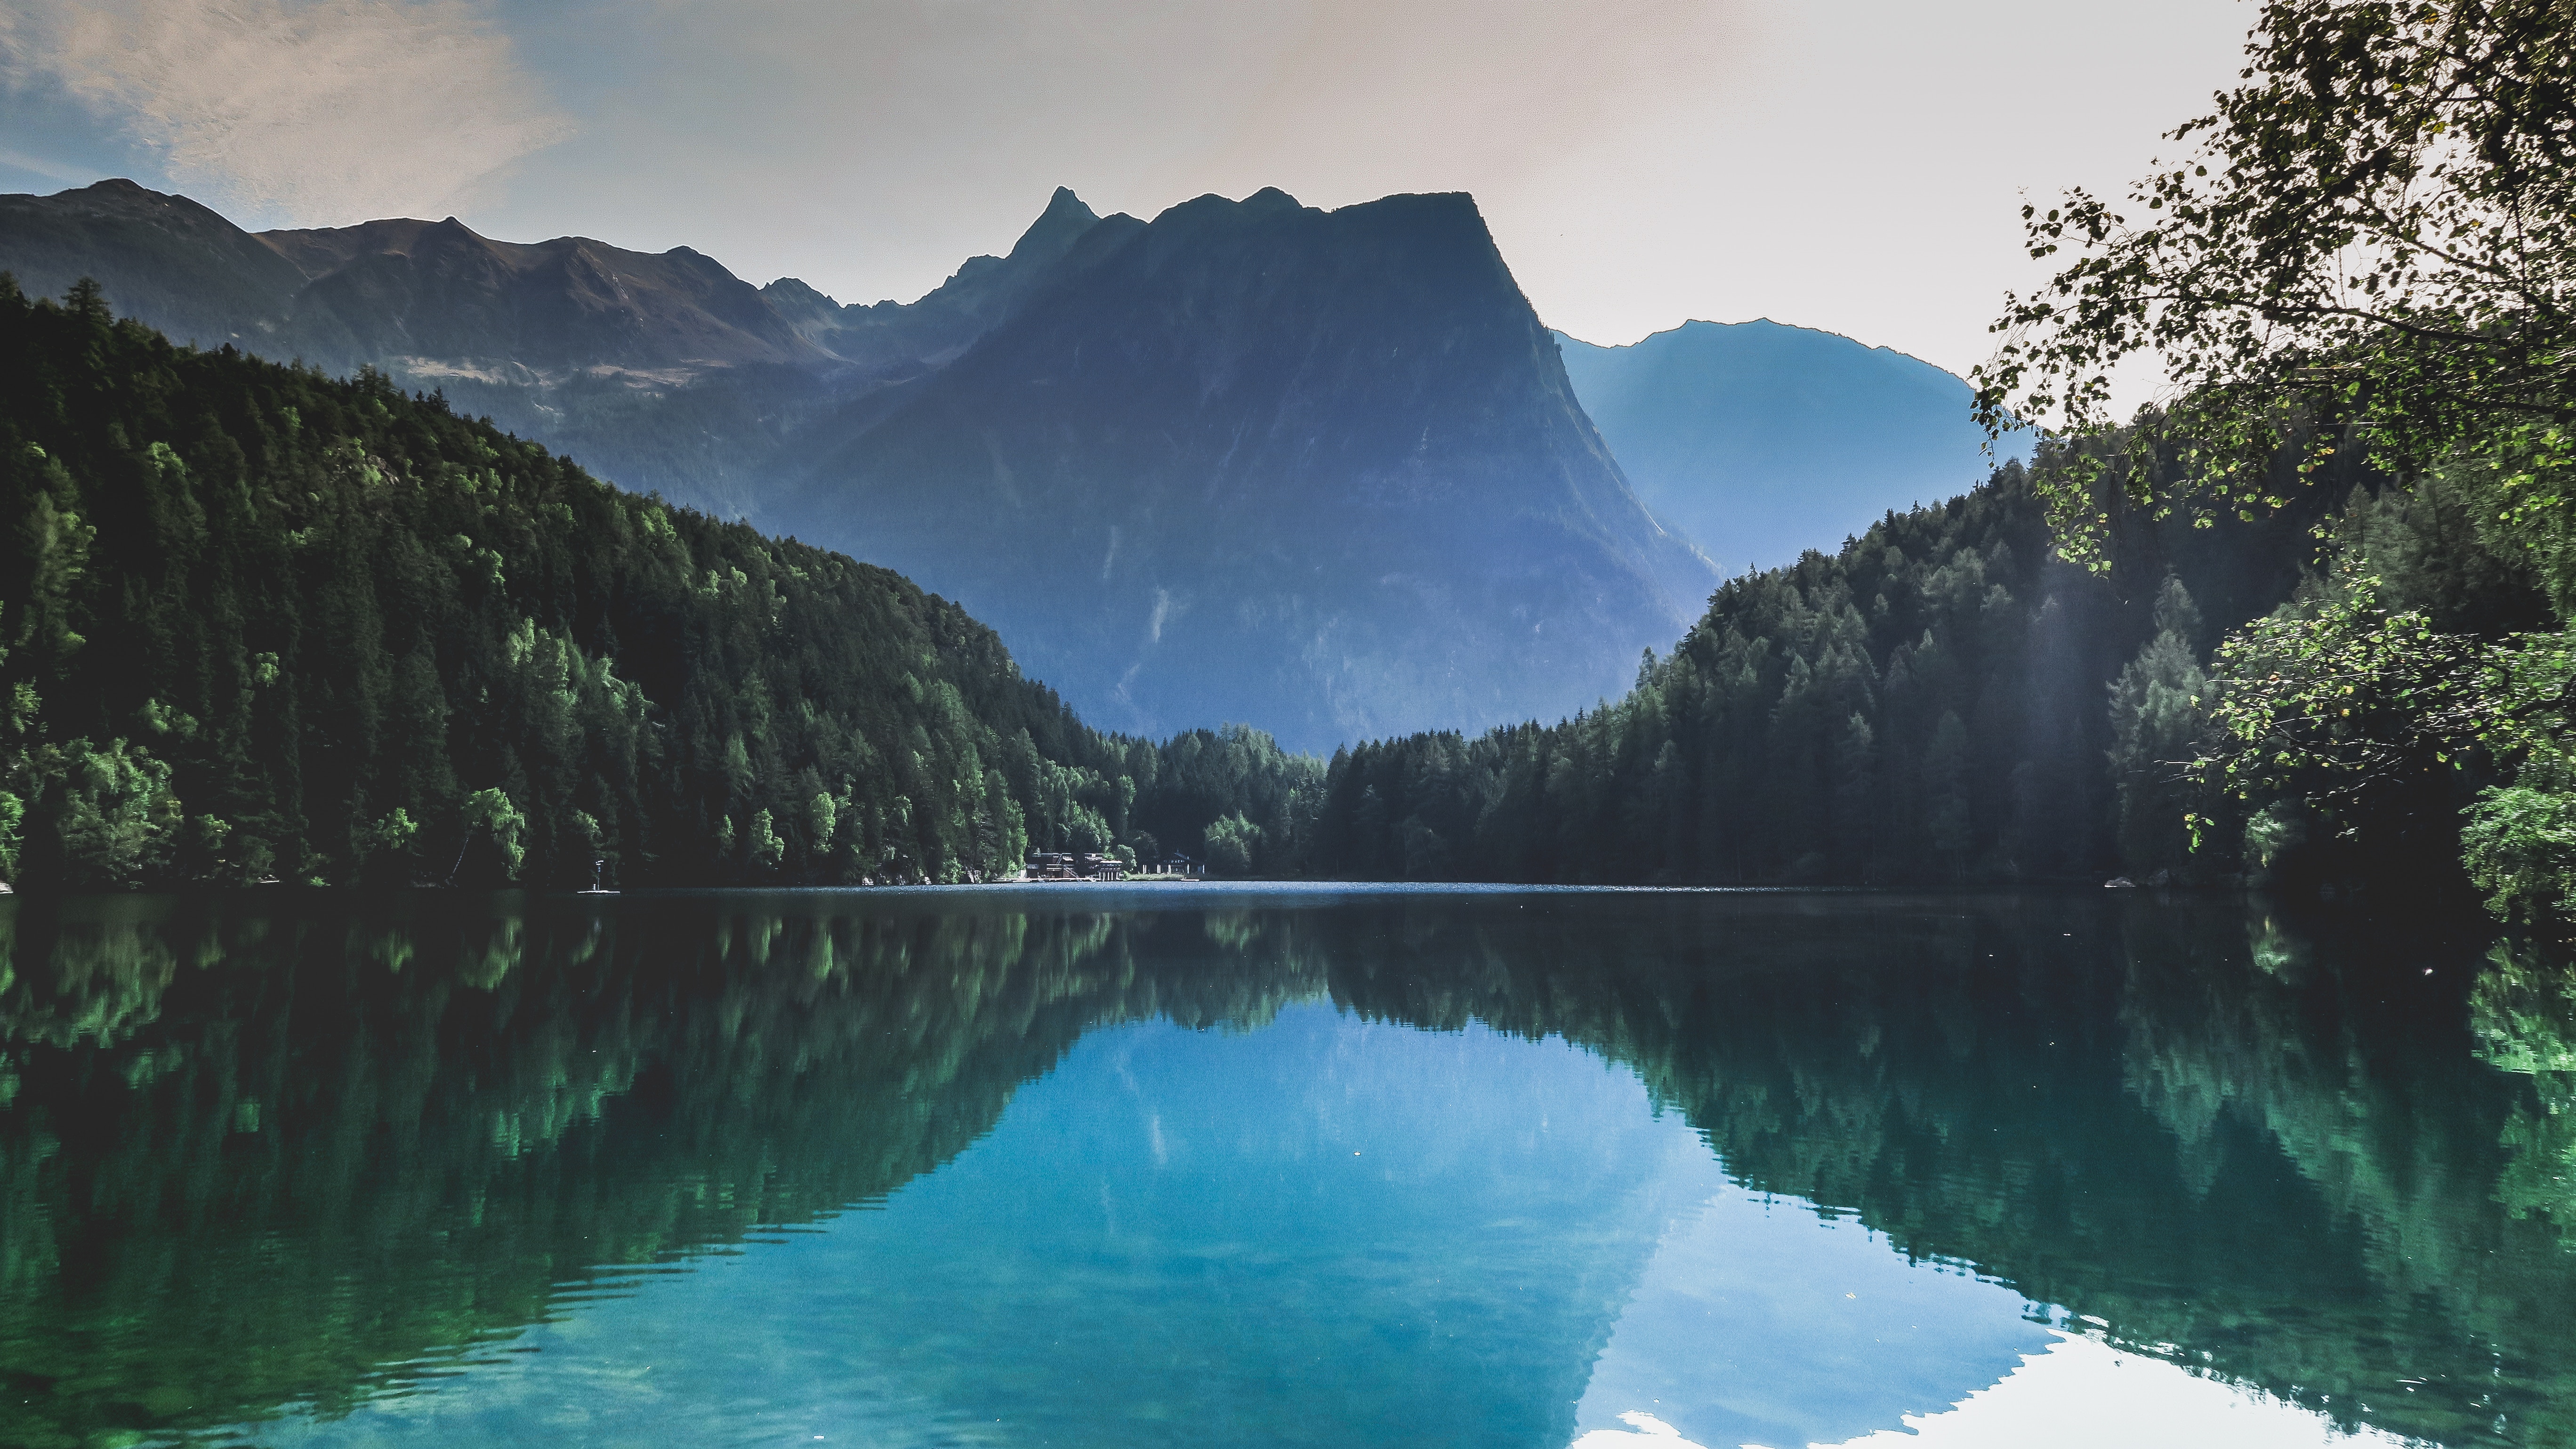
1256, 460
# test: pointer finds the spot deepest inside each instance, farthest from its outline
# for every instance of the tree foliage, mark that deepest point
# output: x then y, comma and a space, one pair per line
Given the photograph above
2158, 711
2406, 673
2367, 247
2369, 251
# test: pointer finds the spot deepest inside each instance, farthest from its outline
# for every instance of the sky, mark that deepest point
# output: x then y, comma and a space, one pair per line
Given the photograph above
1854, 165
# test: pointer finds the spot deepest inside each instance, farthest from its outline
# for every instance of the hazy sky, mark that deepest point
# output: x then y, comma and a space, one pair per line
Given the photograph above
1856, 166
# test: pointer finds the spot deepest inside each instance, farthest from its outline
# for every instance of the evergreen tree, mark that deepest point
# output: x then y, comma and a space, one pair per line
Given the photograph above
2156, 721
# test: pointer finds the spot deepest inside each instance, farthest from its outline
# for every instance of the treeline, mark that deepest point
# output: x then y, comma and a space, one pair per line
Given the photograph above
1944, 700
260, 624
257, 623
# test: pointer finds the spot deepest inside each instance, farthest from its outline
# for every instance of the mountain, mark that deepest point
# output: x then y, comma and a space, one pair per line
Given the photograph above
1760, 441
399, 294
1250, 461
1253, 460
423, 292
176, 265
663, 371
435, 298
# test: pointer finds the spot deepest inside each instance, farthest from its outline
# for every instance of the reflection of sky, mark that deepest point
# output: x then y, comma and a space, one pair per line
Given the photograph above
1323, 1232
2076, 1391
1760, 1325
1758, 1322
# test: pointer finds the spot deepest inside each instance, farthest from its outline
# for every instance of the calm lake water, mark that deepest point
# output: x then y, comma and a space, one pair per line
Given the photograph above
1190, 1166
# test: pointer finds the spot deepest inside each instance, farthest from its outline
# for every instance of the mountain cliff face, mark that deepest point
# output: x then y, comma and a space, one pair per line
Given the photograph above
1760, 441
1321, 471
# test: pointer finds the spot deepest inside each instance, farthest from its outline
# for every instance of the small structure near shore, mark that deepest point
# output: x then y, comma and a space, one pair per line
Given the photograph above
1062, 865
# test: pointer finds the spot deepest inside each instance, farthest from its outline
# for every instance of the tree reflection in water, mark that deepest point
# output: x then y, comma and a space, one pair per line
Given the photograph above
259, 1155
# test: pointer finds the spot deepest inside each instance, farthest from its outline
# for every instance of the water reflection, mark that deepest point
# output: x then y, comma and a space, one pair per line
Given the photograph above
260, 1159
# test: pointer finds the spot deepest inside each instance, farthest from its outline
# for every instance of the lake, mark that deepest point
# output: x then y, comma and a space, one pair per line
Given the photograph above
1192, 1165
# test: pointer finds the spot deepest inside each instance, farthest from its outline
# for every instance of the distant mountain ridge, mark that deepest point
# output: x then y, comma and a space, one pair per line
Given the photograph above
387, 291
407, 290
932, 331
176, 265
663, 370
1754, 440
1761, 440
438, 290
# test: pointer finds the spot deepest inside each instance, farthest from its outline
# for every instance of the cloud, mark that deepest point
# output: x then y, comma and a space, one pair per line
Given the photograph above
1482, 91
51, 171
296, 110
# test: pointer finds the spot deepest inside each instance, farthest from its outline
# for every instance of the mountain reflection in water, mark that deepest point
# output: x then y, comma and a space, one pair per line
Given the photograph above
1180, 1166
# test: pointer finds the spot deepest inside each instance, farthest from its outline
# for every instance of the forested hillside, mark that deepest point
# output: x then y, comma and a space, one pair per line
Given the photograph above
1926, 706
262, 624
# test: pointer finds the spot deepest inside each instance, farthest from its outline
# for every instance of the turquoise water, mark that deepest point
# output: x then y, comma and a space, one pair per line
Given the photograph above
1181, 1166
